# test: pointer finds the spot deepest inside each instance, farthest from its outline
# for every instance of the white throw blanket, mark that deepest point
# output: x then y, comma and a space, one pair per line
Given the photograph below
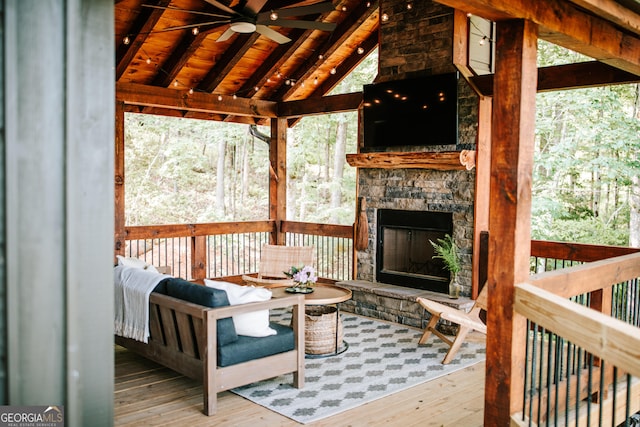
132, 289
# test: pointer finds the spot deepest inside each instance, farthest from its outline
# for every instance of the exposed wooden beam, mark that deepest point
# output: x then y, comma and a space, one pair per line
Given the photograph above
137, 94
567, 25
564, 77
326, 104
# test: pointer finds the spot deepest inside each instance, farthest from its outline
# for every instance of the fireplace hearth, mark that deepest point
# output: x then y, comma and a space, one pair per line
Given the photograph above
404, 254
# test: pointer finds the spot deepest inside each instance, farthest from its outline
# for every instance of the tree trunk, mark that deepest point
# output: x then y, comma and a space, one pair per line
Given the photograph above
222, 148
634, 196
338, 168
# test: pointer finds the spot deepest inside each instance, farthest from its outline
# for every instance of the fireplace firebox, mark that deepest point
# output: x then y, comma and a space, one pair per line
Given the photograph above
404, 255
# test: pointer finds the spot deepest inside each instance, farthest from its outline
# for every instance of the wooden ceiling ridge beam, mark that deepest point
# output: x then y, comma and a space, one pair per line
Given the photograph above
157, 97
141, 28
614, 12
355, 19
565, 24
566, 77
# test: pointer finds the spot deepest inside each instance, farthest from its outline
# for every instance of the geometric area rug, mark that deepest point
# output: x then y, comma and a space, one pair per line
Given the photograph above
382, 359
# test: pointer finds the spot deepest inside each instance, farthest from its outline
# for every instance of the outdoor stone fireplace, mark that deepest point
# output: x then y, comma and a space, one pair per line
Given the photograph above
417, 192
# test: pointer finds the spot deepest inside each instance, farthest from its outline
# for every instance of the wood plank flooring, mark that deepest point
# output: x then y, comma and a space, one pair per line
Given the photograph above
147, 394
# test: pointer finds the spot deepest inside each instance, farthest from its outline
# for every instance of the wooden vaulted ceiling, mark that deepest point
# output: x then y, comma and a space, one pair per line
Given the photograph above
249, 67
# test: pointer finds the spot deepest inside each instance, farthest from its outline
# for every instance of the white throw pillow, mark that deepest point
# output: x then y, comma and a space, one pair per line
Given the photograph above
254, 324
135, 263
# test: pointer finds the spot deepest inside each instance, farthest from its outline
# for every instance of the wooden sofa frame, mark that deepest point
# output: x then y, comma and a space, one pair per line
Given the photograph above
175, 324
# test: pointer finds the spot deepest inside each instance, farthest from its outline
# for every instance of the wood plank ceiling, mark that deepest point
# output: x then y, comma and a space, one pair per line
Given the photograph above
251, 66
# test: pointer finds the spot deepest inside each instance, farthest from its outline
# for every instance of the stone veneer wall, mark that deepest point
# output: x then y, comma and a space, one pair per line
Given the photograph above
414, 43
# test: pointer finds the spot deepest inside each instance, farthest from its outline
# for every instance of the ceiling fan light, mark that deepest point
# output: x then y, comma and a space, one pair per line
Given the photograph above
243, 27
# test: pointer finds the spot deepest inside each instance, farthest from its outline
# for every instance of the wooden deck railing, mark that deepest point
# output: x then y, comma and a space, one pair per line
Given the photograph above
583, 340
196, 251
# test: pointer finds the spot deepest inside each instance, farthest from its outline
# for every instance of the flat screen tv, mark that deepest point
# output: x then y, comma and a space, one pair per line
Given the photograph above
417, 111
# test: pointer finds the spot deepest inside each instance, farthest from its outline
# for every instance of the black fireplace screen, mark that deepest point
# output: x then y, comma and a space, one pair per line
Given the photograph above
405, 256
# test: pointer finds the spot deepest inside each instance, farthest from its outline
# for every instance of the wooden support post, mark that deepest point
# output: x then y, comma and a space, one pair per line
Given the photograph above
198, 257
482, 197
278, 178
512, 150
119, 235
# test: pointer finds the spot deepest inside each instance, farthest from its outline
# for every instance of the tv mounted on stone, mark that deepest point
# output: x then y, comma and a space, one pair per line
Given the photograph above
412, 112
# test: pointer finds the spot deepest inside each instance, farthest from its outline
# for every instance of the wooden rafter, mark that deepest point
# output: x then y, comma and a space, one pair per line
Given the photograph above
330, 46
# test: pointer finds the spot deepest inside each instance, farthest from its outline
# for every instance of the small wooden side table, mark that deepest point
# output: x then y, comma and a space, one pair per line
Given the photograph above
323, 294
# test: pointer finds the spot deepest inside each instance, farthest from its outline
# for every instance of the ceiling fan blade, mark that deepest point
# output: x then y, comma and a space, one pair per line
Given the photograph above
226, 35
307, 25
201, 24
272, 34
221, 6
252, 7
300, 10
177, 9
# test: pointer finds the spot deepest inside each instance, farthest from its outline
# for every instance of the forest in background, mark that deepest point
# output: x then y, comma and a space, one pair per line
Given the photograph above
586, 184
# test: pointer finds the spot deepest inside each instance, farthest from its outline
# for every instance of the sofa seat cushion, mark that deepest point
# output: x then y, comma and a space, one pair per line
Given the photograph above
249, 348
205, 296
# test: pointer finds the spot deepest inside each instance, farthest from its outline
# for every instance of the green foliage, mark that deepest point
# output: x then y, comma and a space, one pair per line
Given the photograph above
587, 142
447, 250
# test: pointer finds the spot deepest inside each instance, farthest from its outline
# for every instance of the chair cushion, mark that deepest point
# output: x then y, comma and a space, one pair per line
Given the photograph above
202, 295
249, 348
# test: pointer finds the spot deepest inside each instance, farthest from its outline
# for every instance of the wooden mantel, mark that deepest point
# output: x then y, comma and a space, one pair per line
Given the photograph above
443, 160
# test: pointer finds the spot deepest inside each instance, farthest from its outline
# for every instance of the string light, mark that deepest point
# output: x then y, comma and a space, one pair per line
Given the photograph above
409, 5
273, 15
333, 70
219, 97
384, 17
315, 81
175, 83
235, 96
148, 61
195, 31
190, 91
360, 50
126, 40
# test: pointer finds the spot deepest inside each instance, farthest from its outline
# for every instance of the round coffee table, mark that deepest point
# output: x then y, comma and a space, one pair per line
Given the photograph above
322, 295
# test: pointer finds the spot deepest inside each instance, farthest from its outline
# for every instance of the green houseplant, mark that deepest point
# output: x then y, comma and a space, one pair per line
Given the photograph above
446, 250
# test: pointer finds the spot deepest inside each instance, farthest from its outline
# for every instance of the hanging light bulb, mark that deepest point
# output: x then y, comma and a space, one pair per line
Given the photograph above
368, 4
287, 82
175, 83
321, 57
333, 70
190, 91
126, 40
360, 50
384, 17
219, 97
256, 88
235, 96
482, 41
315, 81
273, 15
195, 31
148, 61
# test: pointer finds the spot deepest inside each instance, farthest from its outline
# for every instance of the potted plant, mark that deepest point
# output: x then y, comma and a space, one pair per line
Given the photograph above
304, 278
447, 251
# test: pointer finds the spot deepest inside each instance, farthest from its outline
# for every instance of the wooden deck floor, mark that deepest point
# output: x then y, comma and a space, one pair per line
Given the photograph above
147, 394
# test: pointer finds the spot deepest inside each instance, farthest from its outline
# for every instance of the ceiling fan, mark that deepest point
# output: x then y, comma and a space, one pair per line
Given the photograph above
247, 18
